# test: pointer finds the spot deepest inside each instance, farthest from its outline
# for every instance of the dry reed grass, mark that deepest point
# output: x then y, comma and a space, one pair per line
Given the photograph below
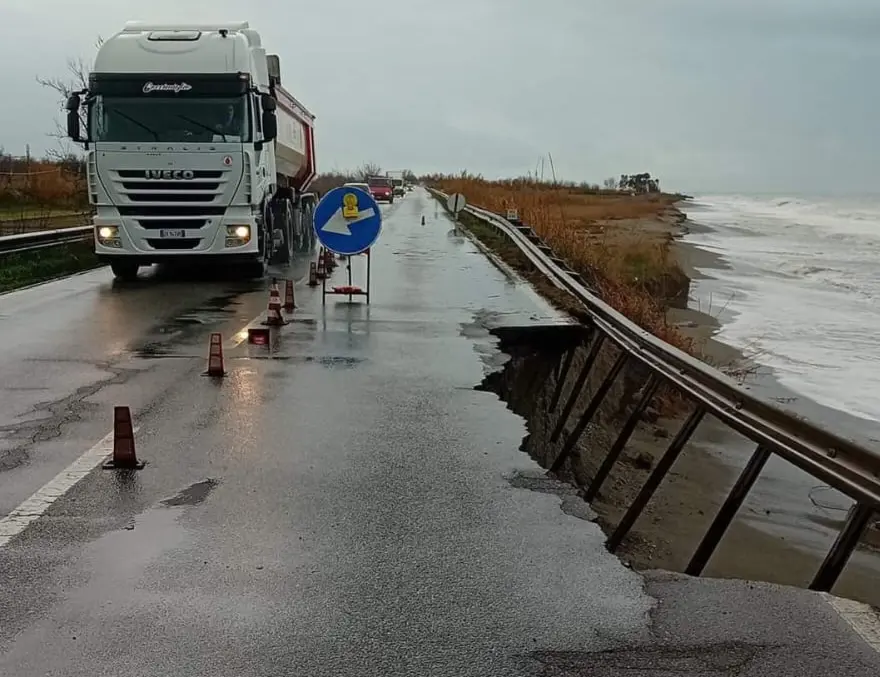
620, 243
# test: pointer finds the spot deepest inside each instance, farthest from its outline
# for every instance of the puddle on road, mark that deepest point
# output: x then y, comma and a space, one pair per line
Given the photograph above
192, 495
210, 312
330, 362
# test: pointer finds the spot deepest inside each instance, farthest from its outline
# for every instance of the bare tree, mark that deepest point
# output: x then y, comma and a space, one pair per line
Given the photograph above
610, 183
76, 80
367, 170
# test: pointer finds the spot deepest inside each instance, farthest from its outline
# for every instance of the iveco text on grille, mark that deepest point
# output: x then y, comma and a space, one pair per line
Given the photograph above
170, 174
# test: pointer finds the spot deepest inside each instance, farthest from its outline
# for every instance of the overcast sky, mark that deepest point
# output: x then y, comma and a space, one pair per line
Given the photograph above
709, 95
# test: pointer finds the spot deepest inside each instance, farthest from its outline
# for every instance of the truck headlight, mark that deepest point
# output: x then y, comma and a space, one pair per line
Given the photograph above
109, 236
236, 236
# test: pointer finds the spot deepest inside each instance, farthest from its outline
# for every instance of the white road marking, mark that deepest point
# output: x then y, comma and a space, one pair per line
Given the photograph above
861, 618
36, 506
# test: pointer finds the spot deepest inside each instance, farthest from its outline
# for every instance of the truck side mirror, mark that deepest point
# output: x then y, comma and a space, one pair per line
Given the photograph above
73, 128
267, 102
270, 125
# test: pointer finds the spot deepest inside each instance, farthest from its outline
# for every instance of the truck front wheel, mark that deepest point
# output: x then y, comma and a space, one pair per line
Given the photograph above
124, 270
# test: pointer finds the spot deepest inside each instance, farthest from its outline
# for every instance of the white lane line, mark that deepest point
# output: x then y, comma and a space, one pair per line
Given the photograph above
34, 507
861, 618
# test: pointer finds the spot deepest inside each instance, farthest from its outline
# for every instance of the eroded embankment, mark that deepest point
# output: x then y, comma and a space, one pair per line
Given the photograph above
538, 383
676, 518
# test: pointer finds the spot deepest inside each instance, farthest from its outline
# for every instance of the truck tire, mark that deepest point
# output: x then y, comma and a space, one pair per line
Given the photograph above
124, 270
283, 218
302, 233
309, 225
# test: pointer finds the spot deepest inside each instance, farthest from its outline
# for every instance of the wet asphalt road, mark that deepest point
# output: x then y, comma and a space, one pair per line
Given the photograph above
342, 504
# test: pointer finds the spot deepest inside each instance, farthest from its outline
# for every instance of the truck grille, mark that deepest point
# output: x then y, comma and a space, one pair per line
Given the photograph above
171, 202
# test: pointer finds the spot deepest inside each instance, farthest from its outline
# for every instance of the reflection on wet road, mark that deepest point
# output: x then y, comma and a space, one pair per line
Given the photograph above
342, 503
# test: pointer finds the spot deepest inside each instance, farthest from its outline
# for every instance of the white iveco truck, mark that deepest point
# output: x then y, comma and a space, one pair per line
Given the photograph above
194, 149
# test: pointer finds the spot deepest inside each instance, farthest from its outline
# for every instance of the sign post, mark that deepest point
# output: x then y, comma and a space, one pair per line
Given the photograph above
348, 222
455, 203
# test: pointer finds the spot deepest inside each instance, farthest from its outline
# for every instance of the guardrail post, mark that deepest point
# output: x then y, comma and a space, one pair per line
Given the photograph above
626, 432
728, 510
562, 377
578, 385
847, 540
590, 411
663, 465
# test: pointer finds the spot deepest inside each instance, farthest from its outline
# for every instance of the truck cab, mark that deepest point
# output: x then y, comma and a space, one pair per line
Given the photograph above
193, 149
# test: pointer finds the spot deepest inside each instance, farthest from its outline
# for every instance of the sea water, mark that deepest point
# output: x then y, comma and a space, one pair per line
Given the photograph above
801, 290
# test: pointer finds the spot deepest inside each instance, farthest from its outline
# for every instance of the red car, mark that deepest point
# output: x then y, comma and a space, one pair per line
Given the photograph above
381, 188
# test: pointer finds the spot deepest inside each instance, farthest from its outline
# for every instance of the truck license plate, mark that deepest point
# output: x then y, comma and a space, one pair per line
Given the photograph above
172, 233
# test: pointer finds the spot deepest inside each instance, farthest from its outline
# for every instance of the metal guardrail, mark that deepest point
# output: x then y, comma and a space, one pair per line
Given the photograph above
25, 242
841, 463
13, 225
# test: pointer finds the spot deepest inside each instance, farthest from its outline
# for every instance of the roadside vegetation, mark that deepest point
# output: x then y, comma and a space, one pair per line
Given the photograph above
38, 195
27, 268
620, 240
41, 194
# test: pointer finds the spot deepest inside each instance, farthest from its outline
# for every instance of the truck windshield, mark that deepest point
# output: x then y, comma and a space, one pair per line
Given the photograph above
170, 120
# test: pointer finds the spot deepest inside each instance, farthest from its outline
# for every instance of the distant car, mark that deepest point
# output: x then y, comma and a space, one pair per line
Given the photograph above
381, 188
409, 188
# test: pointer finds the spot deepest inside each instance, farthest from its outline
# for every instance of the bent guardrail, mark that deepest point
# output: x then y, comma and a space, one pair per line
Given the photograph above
841, 463
25, 242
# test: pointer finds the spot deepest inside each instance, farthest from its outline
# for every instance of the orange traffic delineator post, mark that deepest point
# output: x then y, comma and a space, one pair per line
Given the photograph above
273, 316
289, 300
215, 356
329, 261
313, 274
124, 457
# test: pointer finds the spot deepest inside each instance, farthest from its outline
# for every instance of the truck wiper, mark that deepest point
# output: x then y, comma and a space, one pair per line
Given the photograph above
137, 122
203, 126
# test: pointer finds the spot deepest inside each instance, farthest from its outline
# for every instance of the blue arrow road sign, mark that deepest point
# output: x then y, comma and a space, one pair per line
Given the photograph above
347, 221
